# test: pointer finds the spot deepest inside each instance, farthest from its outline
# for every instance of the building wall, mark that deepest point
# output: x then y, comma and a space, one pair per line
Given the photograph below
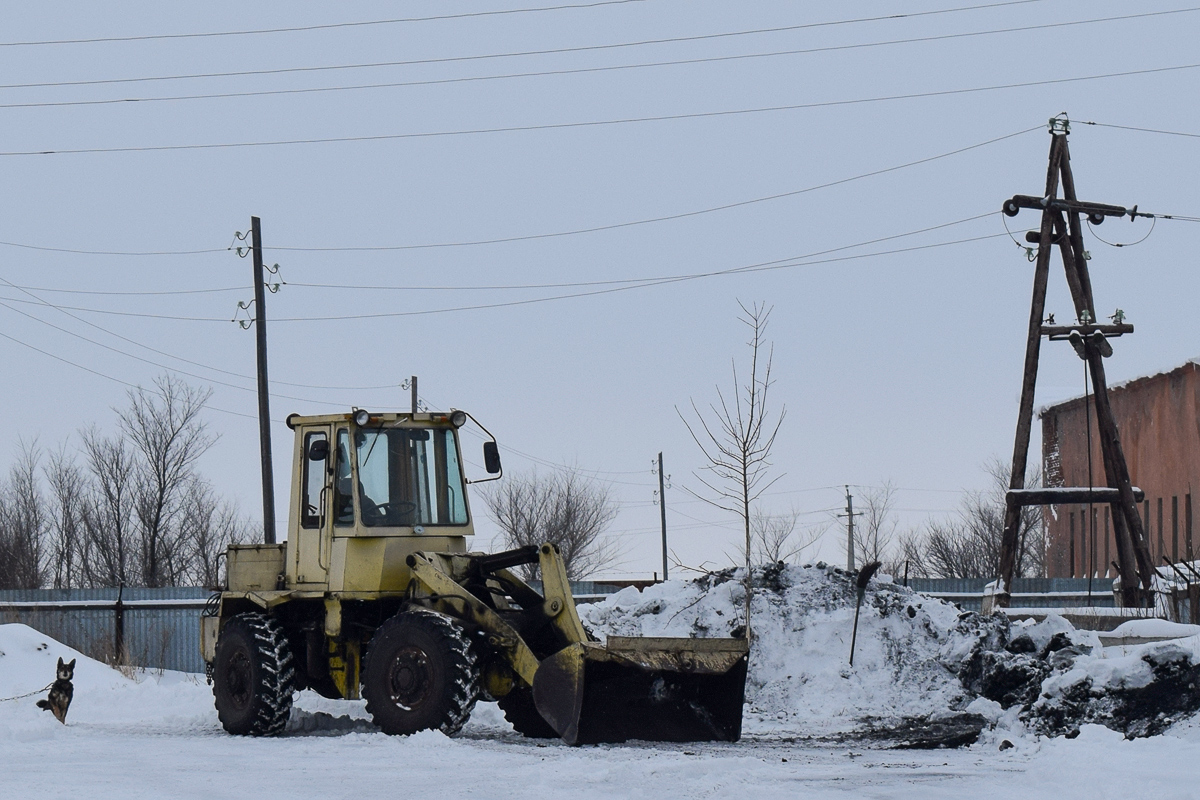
1158, 419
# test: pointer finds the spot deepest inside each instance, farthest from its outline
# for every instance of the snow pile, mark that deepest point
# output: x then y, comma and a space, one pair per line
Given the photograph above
103, 695
924, 673
1057, 679
1139, 695
800, 680
1153, 628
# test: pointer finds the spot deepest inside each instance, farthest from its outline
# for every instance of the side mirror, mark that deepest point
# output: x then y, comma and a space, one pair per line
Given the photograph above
318, 450
491, 458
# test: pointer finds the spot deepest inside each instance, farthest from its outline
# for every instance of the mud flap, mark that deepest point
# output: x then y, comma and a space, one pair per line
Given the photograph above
664, 690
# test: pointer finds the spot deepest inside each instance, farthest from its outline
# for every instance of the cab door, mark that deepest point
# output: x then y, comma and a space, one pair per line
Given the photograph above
314, 516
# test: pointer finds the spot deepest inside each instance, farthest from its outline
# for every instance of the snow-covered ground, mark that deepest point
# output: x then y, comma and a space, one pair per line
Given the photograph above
156, 735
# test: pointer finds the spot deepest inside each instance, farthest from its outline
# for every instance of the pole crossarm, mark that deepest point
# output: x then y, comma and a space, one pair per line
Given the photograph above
1096, 212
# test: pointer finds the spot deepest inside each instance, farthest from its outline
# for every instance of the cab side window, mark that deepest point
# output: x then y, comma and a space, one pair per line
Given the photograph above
343, 482
312, 508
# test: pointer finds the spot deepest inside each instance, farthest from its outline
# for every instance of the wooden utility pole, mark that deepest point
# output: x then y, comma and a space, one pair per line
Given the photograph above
413, 381
662, 510
1061, 226
264, 401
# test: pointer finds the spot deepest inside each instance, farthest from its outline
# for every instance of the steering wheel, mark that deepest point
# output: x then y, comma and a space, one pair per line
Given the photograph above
397, 508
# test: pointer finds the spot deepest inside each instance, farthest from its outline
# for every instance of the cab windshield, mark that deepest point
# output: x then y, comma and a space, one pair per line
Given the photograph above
409, 476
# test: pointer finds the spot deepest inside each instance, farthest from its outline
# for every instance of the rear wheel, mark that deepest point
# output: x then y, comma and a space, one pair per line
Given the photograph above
523, 715
420, 674
253, 676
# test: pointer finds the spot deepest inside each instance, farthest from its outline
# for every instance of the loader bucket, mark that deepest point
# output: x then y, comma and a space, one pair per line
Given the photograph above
656, 689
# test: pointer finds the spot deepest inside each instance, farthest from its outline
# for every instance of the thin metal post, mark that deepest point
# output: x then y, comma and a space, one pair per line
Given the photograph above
119, 627
413, 386
264, 402
662, 510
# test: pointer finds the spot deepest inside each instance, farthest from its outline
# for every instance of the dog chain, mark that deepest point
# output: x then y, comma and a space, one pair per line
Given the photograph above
27, 694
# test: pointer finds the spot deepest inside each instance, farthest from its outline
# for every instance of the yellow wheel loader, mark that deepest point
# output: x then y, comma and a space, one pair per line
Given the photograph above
374, 595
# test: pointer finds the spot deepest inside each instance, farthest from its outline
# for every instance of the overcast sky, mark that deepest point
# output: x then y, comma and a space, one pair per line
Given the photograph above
621, 158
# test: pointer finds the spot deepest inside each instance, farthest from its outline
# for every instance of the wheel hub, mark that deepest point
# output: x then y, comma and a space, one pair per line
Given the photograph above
239, 680
409, 678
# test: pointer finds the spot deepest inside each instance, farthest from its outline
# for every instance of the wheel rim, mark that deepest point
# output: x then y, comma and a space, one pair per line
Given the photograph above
238, 680
409, 680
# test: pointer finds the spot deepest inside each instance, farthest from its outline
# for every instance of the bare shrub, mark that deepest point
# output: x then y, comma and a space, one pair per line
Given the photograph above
565, 509
968, 544
775, 537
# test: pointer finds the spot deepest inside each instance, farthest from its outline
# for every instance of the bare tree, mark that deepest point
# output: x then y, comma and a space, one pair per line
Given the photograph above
737, 438
132, 511
108, 528
968, 545
23, 523
165, 429
68, 496
776, 538
875, 530
565, 509
209, 527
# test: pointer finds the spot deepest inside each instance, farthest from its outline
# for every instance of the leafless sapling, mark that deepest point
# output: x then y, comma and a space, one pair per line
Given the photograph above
736, 435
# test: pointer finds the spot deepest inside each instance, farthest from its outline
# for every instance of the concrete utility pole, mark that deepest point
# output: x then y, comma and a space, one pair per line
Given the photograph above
850, 515
264, 401
662, 510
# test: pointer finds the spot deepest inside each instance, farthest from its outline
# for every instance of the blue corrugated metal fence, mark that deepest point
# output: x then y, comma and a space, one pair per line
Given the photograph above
1026, 592
160, 628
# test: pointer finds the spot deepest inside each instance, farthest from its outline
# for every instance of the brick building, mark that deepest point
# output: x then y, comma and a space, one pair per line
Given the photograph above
1159, 422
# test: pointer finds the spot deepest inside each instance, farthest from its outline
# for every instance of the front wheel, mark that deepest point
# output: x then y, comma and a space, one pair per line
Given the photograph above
420, 674
253, 676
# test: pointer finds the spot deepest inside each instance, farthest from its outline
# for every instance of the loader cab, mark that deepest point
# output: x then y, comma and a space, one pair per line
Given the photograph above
368, 489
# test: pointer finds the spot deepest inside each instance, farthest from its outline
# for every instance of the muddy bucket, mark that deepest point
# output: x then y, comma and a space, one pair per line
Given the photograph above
655, 689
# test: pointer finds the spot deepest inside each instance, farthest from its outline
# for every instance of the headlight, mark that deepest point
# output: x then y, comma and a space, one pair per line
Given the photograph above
458, 418
361, 417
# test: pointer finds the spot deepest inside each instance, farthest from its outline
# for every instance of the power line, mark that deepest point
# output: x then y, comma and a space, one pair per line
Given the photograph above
1143, 130
669, 217
553, 234
327, 26
760, 267
116, 252
632, 281
66, 310
109, 377
514, 75
160, 293
596, 123
156, 364
627, 283
804, 260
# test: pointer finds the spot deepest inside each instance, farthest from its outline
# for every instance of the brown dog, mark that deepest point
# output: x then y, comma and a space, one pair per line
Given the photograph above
61, 692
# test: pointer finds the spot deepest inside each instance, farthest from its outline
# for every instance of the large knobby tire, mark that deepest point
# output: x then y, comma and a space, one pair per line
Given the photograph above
523, 715
420, 674
253, 676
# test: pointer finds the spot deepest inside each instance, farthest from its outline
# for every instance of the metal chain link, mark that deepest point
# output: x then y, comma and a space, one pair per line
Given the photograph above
27, 694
